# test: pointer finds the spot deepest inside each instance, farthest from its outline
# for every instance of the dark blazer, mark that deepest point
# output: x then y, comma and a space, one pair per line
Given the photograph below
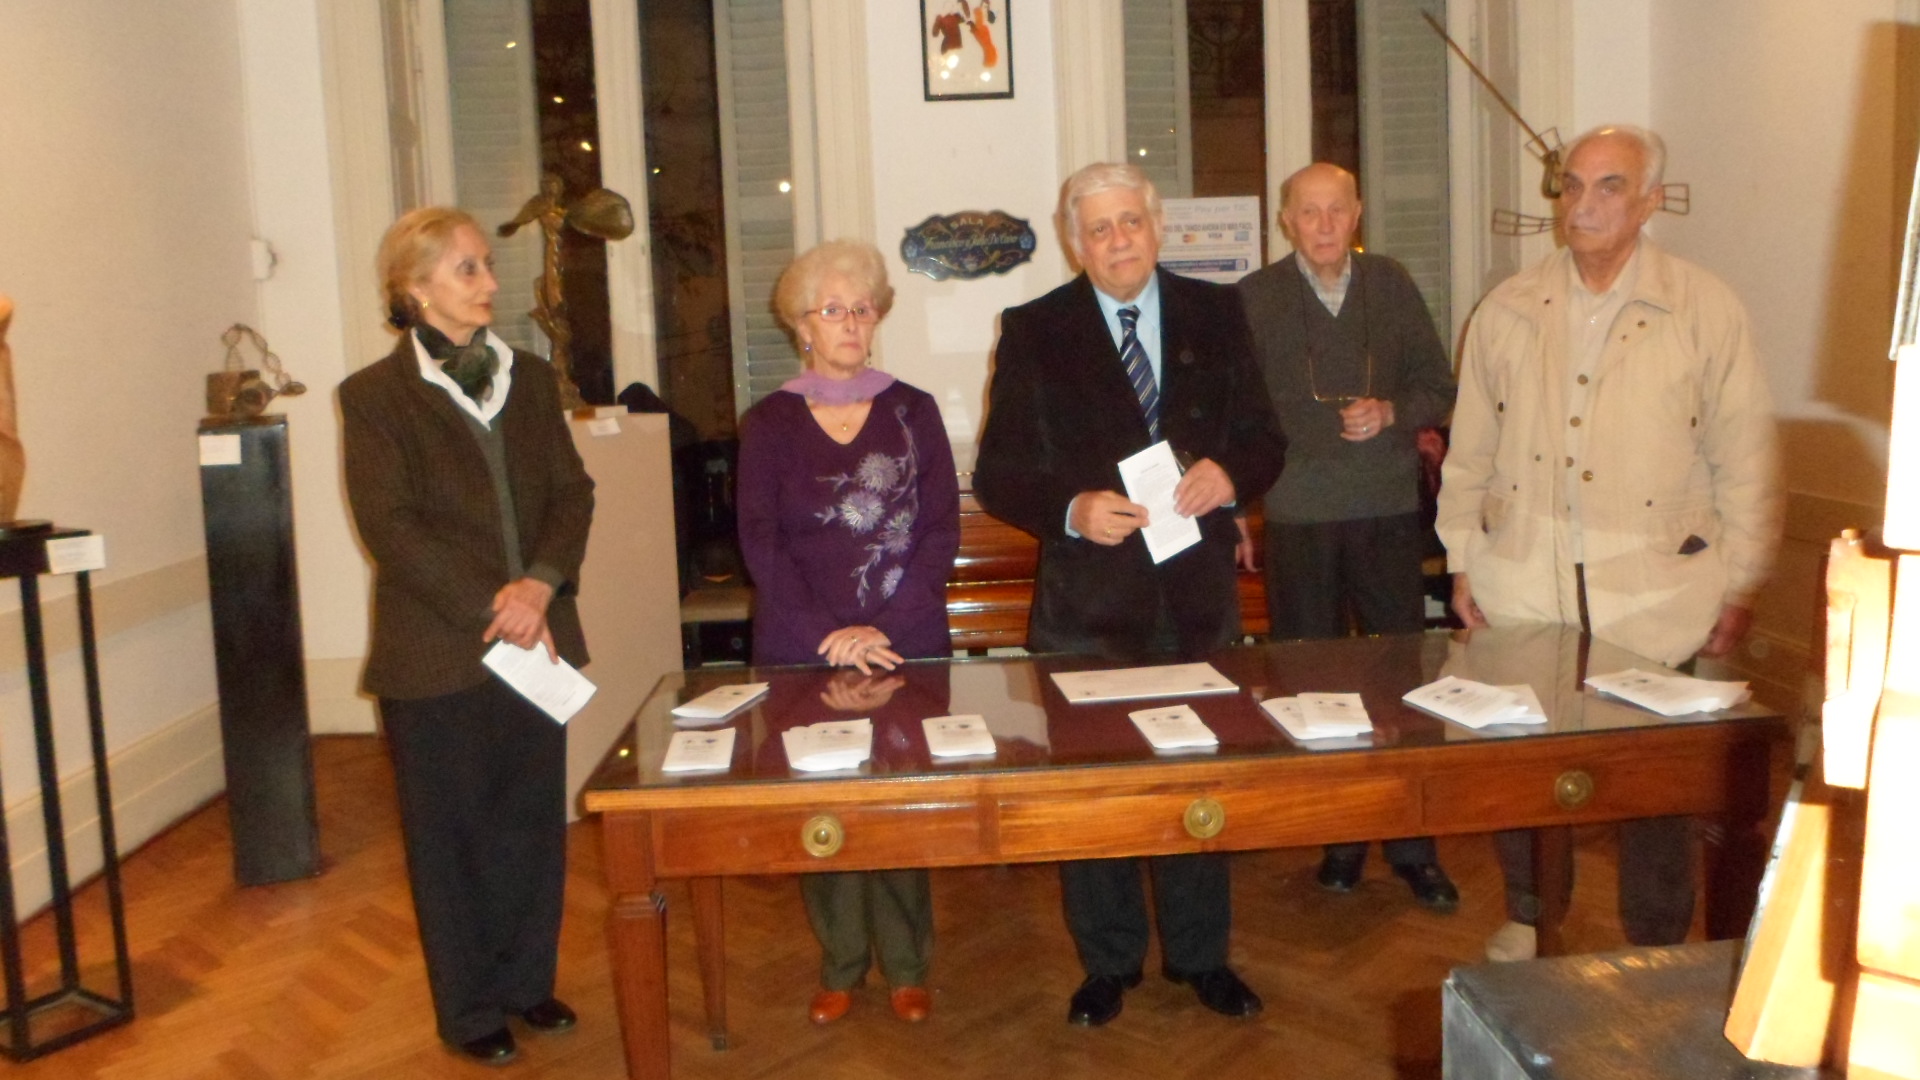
1061, 415
424, 502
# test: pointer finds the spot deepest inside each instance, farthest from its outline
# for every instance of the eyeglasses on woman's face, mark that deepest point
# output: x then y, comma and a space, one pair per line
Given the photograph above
835, 313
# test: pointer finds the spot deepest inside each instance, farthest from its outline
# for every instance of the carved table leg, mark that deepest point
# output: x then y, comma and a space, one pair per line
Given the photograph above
637, 931
710, 938
1552, 860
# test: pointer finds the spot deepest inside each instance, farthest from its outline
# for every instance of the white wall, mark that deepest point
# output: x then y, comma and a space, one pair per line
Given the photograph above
944, 157
125, 215
302, 314
1781, 115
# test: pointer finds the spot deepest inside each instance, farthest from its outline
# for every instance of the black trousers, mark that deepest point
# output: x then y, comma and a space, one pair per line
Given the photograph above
482, 778
1325, 577
1655, 874
1107, 912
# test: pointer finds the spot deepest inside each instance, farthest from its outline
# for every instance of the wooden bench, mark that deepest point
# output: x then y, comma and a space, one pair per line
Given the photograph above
991, 591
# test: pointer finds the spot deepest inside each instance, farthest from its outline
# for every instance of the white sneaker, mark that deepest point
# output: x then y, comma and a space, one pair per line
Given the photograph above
1514, 941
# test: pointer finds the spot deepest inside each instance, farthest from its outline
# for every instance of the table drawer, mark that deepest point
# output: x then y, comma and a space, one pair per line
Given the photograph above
773, 841
1578, 788
1255, 816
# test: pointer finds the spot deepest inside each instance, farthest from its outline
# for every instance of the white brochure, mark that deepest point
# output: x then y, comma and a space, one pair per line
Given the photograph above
1175, 727
1320, 716
959, 736
718, 702
557, 688
1286, 712
1126, 684
829, 745
1477, 704
1670, 695
1150, 477
699, 751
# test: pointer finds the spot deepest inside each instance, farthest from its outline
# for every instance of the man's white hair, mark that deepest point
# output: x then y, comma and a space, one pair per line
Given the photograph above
1653, 150
1094, 179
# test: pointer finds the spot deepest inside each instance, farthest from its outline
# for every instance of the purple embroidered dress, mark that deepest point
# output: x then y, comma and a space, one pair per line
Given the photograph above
855, 535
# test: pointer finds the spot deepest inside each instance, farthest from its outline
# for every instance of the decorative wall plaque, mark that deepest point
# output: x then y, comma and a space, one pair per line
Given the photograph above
967, 245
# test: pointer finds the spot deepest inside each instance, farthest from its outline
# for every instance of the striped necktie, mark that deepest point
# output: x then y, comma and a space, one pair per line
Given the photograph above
1139, 372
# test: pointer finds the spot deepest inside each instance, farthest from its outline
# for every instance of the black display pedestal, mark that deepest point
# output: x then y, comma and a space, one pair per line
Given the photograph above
70, 1013
254, 589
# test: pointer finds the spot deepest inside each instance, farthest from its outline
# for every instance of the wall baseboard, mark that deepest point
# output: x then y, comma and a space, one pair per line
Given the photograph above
156, 782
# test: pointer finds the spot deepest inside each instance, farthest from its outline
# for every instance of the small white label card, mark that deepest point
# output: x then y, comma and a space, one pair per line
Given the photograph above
219, 450
1174, 727
720, 702
1150, 477
958, 736
556, 687
699, 751
604, 426
72, 554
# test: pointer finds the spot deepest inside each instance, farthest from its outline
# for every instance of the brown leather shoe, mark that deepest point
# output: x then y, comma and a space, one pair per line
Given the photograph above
911, 1003
830, 1005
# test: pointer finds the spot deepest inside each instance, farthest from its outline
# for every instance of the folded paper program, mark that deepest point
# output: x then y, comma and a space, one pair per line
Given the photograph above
828, 746
1670, 695
1476, 704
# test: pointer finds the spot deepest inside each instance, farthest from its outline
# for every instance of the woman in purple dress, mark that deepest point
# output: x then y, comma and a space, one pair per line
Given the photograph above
849, 521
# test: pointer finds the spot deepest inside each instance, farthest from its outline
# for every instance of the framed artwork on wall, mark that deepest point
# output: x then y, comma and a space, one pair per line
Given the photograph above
967, 49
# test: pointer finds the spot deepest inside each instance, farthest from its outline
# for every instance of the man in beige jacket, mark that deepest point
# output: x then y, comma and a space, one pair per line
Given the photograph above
1612, 466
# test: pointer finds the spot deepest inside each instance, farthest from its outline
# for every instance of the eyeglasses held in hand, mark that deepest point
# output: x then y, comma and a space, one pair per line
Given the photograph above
836, 313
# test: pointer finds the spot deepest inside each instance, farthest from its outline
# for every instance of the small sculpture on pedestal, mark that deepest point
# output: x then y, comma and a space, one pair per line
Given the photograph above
239, 393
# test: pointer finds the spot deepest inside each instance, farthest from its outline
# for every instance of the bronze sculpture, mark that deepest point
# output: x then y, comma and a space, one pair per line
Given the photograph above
599, 213
13, 455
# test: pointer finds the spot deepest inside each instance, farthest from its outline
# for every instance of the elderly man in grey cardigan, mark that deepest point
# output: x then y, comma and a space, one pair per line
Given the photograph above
1355, 369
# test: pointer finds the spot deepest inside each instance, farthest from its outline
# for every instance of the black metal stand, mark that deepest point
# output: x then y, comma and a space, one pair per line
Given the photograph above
25, 558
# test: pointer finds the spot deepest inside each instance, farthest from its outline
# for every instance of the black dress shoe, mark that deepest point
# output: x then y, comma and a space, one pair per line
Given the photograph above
1430, 886
1340, 873
550, 1015
493, 1049
1219, 989
1098, 999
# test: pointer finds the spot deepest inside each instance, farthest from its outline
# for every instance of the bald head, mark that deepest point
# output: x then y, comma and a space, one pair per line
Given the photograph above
1320, 213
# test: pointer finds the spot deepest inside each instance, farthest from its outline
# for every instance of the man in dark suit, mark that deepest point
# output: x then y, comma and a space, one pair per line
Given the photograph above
1120, 358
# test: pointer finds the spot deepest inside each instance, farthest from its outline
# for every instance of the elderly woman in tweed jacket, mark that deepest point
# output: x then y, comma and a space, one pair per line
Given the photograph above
474, 508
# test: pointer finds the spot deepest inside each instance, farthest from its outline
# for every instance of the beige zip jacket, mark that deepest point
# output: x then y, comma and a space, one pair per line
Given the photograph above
1680, 500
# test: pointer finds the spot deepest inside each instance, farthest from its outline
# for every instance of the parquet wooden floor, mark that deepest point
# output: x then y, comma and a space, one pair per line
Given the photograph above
323, 979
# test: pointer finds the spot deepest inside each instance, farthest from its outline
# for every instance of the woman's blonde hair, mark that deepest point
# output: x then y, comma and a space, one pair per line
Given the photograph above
409, 251
799, 285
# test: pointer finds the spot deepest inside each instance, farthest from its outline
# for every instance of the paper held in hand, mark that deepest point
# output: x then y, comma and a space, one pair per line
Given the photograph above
1320, 716
958, 736
1150, 477
699, 751
719, 702
556, 688
828, 746
1175, 727
1477, 704
1671, 695
1127, 684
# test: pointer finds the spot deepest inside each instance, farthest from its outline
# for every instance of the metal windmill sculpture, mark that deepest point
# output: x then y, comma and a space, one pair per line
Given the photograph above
1546, 148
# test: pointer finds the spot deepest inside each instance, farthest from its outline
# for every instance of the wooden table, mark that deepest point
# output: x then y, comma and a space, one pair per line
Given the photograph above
1078, 781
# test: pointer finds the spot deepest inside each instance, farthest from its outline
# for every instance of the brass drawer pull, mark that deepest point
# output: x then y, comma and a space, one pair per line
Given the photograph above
1573, 789
1205, 818
822, 835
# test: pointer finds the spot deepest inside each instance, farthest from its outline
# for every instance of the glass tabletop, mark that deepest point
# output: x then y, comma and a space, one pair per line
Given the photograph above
1035, 727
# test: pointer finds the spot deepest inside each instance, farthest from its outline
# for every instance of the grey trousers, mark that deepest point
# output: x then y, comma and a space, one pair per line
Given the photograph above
1656, 878
860, 914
